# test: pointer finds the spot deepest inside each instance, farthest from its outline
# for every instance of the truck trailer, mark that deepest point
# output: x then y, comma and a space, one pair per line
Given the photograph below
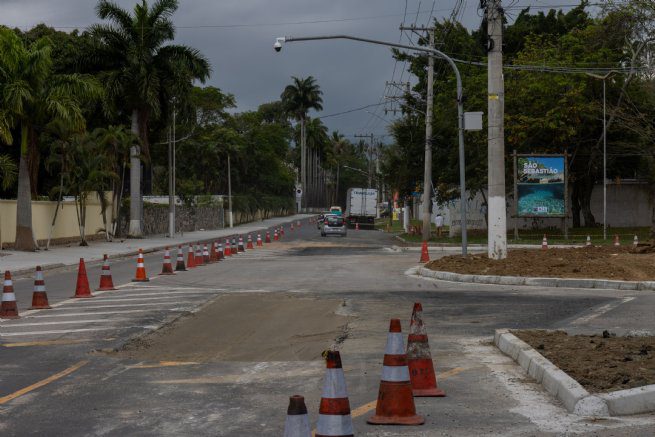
361, 206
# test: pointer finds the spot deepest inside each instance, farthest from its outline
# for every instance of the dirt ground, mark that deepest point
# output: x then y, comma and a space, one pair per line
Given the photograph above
580, 262
246, 327
601, 363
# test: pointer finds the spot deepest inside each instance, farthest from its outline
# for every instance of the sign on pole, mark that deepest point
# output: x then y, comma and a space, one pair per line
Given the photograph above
541, 185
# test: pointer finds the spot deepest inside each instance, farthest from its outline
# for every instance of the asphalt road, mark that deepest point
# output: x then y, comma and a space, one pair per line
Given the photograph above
239, 337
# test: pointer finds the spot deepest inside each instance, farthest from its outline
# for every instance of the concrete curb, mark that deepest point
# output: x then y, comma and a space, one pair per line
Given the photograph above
539, 282
576, 399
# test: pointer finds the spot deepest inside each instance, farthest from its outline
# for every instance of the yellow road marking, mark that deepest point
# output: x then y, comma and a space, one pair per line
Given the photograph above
48, 380
162, 364
43, 343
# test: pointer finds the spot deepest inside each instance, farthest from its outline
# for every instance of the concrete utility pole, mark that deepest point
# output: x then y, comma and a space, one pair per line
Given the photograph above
229, 192
303, 166
497, 232
171, 178
369, 166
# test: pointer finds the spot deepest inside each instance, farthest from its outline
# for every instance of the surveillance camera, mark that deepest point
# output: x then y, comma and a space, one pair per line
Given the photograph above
277, 46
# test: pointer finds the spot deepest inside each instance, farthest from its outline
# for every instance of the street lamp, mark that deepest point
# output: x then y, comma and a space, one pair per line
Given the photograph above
460, 103
604, 79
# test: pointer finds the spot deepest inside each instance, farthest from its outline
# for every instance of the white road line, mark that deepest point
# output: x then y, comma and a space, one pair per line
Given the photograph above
600, 311
123, 305
90, 313
138, 299
62, 331
159, 293
65, 322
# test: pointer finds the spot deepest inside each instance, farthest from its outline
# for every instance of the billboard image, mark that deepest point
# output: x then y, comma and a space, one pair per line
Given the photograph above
541, 186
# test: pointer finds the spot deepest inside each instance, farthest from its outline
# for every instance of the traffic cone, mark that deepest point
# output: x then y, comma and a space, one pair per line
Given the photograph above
268, 237
425, 255
82, 289
275, 235
205, 254
180, 267
235, 247
297, 423
298, 223
259, 240
334, 413
544, 243
291, 227
249, 245
191, 258
106, 281
228, 251
140, 269
419, 359
39, 297
8, 307
588, 243
357, 226
395, 401
167, 267
616, 240
198, 256
281, 231
242, 248
213, 252
635, 241
221, 254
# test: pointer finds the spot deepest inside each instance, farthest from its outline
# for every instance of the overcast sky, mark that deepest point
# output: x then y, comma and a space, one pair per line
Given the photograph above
350, 74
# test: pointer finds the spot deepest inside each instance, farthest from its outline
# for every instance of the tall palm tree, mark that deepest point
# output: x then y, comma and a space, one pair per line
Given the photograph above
298, 98
32, 96
143, 74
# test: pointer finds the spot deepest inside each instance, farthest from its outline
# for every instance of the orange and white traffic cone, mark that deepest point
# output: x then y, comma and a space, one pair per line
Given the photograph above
242, 248
213, 252
588, 243
191, 258
334, 417
297, 423
544, 243
167, 267
425, 255
281, 231
249, 245
82, 288
357, 226
298, 223
291, 227
106, 281
205, 254
259, 240
179, 265
198, 256
395, 400
235, 247
419, 359
635, 241
221, 254
140, 269
268, 236
39, 297
228, 251
275, 235
616, 240
8, 307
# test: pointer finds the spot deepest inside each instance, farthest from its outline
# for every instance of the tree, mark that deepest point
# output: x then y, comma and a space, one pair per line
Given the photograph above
298, 98
32, 96
8, 171
142, 74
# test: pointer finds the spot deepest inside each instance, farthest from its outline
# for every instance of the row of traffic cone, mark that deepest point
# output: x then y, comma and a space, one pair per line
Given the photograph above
200, 256
406, 373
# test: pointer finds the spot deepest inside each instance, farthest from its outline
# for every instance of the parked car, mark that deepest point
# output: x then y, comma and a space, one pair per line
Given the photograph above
334, 225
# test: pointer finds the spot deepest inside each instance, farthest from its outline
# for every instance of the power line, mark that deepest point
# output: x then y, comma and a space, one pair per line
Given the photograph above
361, 108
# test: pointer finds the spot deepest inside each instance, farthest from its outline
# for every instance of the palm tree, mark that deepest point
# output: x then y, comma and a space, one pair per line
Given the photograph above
8, 171
142, 74
298, 98
31, 97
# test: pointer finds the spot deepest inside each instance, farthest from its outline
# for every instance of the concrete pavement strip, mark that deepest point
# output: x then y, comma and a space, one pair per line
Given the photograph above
531, 281
576, 399
148, 245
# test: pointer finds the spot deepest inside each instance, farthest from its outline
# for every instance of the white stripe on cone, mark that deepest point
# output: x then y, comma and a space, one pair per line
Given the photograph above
39, 288
395, 373
8, 283
334, 424
297, 425
8, 297
395, 344
335, 384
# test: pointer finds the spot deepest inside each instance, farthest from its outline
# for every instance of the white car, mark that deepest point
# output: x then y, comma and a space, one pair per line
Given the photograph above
334, 225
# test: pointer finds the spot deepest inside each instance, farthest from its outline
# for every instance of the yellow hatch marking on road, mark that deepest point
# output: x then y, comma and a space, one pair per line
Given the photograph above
163, 364
48, 380
43, 343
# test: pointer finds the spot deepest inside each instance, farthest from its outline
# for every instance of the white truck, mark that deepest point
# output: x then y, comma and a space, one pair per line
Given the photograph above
361, 206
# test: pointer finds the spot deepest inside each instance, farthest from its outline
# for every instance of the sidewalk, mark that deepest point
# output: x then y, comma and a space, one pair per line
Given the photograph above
24, 262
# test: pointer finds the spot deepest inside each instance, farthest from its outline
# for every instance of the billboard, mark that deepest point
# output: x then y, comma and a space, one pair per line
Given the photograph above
541, 186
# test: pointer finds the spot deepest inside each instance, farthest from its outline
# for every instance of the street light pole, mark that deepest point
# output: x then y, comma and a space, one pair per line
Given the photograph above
460, 102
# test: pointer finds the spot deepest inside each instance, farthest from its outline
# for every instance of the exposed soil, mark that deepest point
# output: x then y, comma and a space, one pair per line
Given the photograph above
600, 363
246, 327
598, 262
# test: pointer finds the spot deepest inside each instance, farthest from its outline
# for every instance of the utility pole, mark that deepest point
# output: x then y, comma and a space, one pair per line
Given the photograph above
369, 166
427, 171
171, 178
497, 232
229, 192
